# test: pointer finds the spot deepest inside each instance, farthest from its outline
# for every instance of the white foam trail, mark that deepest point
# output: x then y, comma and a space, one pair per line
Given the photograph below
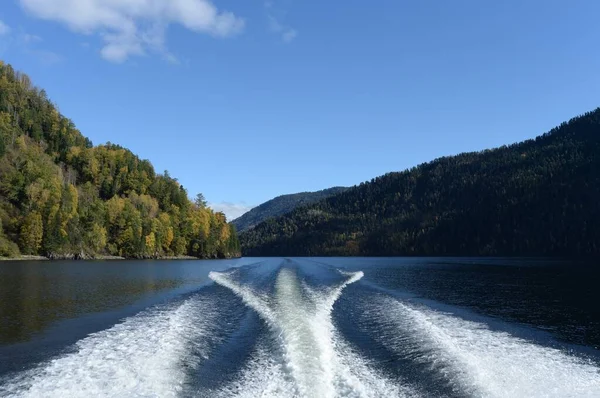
320, 332
254, 300
145, 356
357, 378
315, 358
302, 348
483, 362
262, 376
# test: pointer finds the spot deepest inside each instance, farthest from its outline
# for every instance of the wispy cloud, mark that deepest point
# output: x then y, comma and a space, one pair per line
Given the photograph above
135, 27
4, 29
28, 38
289, 35
28, 44
276, 14
231, 210
31, 45
46, 57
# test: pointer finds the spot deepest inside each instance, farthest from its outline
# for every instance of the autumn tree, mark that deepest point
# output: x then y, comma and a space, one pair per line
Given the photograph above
32, 232
62, 196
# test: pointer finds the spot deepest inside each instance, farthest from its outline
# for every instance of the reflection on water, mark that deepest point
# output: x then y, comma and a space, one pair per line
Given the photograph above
35, 295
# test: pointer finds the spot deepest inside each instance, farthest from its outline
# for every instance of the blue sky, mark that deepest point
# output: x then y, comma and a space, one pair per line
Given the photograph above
246, 100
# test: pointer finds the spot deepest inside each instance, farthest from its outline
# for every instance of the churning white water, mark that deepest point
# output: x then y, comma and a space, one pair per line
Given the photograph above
314, 357
173, 350
480, 361
145, 356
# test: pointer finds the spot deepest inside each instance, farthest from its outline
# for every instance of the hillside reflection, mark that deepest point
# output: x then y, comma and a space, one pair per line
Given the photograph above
35, 295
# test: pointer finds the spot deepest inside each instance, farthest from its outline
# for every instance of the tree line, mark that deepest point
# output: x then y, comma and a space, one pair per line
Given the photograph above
537, 197
62, 197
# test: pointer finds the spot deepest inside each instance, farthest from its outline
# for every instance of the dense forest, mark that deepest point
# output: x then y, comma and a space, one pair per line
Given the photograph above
62, 197
281, 205
538, 197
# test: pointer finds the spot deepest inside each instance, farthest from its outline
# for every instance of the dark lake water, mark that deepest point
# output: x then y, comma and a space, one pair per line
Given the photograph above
299, 327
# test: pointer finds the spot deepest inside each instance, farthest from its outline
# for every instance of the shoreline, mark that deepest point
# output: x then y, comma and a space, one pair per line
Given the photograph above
25, 258
107, 258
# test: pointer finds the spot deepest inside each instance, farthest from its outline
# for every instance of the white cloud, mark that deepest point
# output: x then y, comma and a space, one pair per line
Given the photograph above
134, 27
44, 56
28, 44
4, 29
231, 210
28, 38
287, 33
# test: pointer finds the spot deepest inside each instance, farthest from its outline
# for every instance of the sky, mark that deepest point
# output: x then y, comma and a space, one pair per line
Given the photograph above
247, 100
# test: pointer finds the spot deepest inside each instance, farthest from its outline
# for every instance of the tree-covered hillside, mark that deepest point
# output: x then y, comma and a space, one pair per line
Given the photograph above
538, 197
64, 198
282, 205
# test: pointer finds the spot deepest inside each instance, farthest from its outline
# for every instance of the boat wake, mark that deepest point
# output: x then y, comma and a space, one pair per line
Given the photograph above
314, 361
288, 331
476, 360
146, 355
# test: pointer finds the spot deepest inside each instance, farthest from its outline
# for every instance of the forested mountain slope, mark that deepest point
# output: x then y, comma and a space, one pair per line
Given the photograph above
538, 197
281, 205
64, 198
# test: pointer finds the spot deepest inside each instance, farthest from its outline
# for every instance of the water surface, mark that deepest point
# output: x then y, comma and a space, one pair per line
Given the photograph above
299, 327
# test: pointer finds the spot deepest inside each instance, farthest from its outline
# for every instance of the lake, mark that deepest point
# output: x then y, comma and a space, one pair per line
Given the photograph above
301, 327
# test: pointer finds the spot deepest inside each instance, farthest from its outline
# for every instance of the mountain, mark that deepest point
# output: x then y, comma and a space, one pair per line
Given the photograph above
281, 205
62, 197
537, 197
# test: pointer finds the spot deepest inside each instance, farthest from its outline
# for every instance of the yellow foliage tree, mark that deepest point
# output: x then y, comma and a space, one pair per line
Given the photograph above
32, 232
150, 241
114, 208
97, 238
168, 239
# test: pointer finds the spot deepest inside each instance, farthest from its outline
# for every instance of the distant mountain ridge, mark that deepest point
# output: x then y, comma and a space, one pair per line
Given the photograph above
281, 205
537, 197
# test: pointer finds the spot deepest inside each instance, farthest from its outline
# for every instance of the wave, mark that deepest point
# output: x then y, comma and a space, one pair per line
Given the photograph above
146, 355
476, 360
315, 361
263, 375
183, 348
